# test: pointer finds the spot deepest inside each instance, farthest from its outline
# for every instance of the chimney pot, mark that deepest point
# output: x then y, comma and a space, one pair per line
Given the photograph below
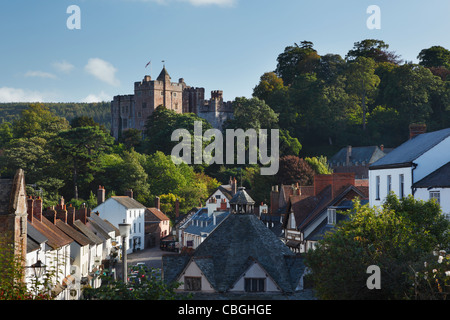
100, 195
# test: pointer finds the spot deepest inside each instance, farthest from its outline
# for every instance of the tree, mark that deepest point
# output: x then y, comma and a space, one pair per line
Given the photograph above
79, 149
38, 120
435, 56
293, 169
362, 82
296, 60
374, 49
319, 165
395, 237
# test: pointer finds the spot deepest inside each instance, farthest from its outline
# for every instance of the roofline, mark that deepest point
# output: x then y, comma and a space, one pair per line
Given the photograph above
392, 166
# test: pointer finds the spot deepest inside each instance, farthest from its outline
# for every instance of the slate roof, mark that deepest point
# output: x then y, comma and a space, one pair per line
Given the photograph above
34, 238
410, 150
367, 154
87, 232
162, 76
205, 224
242, 197
100, 225
128, 202
230, 249
437, 179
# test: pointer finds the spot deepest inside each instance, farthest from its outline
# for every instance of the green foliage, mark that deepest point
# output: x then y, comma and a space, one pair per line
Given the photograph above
396, 238
319, 165
149, 286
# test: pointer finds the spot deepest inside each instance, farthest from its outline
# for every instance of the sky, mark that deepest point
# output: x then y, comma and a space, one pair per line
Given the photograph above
215, 44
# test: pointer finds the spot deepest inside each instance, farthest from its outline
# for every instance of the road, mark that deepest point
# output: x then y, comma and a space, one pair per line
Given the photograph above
152, 257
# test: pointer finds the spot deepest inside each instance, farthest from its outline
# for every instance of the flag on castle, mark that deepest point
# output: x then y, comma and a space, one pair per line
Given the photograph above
148, 63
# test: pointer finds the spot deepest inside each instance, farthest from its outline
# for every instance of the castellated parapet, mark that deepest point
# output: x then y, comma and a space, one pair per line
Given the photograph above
132, 111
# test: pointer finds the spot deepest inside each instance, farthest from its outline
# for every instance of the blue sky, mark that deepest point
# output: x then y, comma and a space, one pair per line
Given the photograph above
216, 44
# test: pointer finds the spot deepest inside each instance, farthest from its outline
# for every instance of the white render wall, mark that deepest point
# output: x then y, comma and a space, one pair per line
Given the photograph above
432, 160
395, 183
116, 213
255, 271
424, 194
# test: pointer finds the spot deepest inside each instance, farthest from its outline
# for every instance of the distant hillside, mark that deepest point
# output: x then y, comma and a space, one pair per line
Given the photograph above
100, 112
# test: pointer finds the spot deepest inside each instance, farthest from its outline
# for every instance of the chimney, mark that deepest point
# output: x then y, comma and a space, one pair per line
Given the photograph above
61, 212
30, 201
157, 203
177, 208
70, 215
349, 154
100, 195
37, 208
416, 129
82, 214
233, 187
338, 182
50, 214
129, 193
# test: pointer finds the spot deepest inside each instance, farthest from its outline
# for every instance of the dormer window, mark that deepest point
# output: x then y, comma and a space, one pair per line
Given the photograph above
331, 213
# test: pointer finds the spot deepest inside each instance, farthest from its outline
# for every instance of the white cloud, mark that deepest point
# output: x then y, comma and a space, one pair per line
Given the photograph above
19, 95
63, 66
40, 74
102, 96
103, 71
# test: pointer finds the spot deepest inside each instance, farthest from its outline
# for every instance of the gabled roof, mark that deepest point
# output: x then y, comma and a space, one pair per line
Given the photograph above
101, 225
154, 214
229, 248
128, 202
367, 154
410, 150
437, 179
319, 209
87, 232
56, 238
79, 238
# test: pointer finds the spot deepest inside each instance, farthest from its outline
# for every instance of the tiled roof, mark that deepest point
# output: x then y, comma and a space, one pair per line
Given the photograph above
437, 179
79, 238
228, 251
205, 222
56, 238
154, 214
128, 202
410, 150
87, 232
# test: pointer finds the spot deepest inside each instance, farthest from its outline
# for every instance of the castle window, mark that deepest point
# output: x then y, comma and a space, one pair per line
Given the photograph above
144, 105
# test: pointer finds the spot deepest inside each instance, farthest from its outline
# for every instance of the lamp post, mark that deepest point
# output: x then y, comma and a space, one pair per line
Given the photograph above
38, 270
124, 229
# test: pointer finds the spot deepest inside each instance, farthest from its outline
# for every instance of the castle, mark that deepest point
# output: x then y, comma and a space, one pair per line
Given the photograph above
132, 111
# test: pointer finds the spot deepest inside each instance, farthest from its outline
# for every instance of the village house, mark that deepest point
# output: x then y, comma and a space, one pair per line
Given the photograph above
124, 209
412, 168
157, 224
241, 256
309, 218
357, 159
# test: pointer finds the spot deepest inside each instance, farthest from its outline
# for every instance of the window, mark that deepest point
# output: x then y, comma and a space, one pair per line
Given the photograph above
435, 195
389, 184
377, 187
217, 196
192, 283
144, 105
402, 186
331, 216
255, 284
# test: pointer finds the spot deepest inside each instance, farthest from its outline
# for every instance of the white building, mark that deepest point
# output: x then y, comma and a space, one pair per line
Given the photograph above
436, 185
120, 209
402, 168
